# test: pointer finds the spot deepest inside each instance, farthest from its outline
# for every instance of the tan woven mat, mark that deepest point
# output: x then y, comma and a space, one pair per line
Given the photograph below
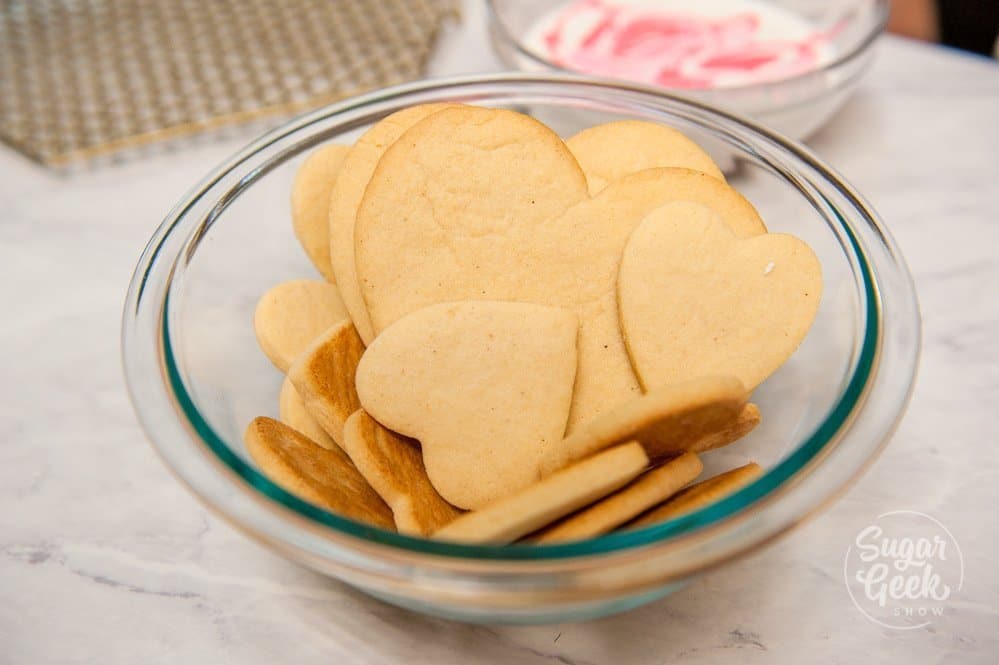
88, 77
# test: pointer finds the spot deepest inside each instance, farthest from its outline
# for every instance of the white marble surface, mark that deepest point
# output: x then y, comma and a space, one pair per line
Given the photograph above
105, 558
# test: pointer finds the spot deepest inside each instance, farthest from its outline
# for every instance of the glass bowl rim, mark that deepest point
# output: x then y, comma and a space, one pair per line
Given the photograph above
882, 7
795, 465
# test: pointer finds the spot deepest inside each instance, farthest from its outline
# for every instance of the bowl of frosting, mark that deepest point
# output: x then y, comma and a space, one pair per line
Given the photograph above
788, 64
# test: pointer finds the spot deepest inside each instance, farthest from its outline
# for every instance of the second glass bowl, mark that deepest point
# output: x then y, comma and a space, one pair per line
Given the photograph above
796, 106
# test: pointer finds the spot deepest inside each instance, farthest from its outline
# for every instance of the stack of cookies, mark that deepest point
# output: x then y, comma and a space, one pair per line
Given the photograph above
521, 337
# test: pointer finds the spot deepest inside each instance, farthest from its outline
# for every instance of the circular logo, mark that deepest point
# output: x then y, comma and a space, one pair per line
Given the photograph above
901, 570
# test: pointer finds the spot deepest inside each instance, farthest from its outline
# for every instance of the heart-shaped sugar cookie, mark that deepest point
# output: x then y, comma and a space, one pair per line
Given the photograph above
696, 300
310, 204
295, 415
484, 386
393, 466
474, 203
610, 151
346, 194
323, 476
649, 489
695, 415
323, 377
699, 495
543, 502
292, 314
604, 152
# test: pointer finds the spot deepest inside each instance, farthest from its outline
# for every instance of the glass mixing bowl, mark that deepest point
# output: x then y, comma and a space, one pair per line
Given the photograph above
197, 377
797, 105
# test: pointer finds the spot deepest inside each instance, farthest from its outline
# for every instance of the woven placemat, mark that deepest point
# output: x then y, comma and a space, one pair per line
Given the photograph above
88, 77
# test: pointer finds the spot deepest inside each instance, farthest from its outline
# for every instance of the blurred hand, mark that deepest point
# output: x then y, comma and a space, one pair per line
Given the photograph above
916, 19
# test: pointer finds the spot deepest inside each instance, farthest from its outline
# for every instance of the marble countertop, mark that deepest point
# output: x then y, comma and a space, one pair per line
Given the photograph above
105, 558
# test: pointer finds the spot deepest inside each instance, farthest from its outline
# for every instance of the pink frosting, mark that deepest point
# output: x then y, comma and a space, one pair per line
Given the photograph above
674, 50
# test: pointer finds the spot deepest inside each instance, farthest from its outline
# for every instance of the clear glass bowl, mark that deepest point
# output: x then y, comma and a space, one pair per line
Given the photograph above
197, 377
796, 106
